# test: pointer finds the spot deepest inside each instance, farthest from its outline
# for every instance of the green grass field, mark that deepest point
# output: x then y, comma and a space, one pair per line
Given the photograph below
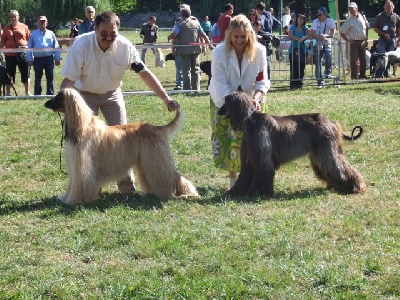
306, 243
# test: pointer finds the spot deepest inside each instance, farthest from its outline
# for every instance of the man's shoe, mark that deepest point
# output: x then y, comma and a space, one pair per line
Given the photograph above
177, 88
329, 76
8, 94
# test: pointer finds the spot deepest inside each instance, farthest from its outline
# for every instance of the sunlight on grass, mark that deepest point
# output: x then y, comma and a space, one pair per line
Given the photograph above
306, 243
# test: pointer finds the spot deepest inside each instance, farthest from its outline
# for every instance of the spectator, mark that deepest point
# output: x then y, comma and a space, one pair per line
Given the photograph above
175, 53
224, 20
271, 11
215, 36
95, 65
253, 16
387, 26
149, 34
240, 48
43, 60
322, 30
206, 26
268, 22
16, 35
188, 31
298, 33
74, 28
354, 31
286, 18
88, 24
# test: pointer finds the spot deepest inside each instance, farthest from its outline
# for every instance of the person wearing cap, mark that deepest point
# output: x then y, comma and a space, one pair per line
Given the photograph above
387, 26
322, 31
354, 31
16, 35
88, 24
43, 60
95, 65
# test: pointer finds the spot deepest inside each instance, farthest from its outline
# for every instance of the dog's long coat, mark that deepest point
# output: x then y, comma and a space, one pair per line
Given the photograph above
96, 153
270, 141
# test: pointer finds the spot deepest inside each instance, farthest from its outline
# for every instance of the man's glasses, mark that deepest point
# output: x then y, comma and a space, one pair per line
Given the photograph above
90, 12
319, 15
252, 14
104, 35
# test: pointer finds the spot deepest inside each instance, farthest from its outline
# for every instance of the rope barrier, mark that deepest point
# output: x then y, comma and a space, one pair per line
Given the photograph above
128, 93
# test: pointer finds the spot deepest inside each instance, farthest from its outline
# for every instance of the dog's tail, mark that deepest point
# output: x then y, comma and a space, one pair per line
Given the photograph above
354, 137
175, 125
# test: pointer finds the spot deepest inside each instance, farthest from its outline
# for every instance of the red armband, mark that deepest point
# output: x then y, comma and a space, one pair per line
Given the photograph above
260, 76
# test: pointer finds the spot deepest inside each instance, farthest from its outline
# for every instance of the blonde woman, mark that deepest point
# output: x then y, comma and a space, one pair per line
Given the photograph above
237, 64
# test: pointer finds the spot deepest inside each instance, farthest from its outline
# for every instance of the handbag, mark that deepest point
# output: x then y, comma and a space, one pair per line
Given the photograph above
20, 56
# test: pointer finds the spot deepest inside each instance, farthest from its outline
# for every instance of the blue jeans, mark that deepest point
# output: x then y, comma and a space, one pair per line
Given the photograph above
46, 64
178, 66
385, 45
318, 63
143, 57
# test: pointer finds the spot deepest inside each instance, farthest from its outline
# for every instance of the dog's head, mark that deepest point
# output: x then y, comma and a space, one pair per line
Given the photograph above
169, 56
57, 103
205, 66
238, 106
381, 63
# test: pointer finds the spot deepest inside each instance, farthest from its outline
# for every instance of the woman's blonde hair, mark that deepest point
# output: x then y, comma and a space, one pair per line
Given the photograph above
242, 22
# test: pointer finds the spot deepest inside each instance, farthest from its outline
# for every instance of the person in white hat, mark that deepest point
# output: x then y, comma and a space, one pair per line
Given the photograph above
355, 31
322, 31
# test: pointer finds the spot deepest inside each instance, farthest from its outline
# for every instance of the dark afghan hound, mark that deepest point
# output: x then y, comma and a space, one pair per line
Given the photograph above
270, 141
96, 153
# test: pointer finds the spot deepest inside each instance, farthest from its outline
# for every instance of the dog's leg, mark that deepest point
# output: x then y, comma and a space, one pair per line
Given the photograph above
184, 188
330, 165
156, 171
82, 186
260, 147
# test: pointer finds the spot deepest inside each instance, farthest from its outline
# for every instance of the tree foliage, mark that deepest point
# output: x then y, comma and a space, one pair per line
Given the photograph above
61, 11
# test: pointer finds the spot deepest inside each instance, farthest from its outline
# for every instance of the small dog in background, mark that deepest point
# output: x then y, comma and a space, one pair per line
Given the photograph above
384, 61
169, 56
96, 153
270, 141
5, 78
205, 66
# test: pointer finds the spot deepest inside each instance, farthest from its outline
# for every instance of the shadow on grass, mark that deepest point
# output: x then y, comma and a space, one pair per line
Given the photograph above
104, 202
147, 202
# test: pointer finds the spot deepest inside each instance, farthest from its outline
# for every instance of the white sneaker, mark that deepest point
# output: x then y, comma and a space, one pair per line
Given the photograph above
28, 94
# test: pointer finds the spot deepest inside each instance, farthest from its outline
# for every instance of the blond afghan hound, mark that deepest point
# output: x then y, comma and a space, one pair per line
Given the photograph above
96, 153
270, 141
